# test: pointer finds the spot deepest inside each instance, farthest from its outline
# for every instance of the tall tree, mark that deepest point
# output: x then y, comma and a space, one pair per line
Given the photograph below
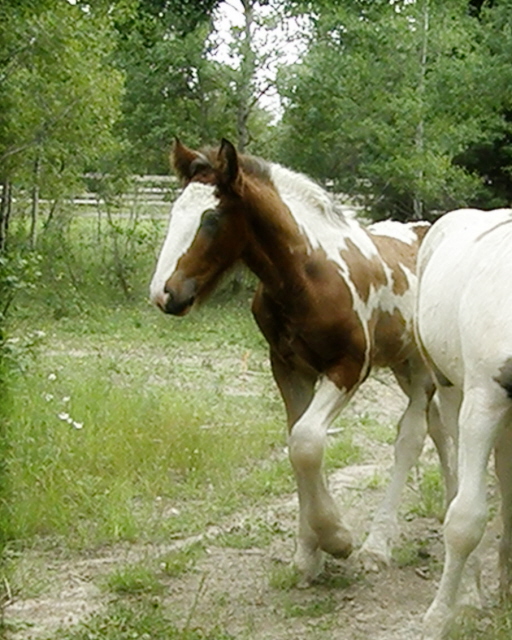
59, 94
387, 96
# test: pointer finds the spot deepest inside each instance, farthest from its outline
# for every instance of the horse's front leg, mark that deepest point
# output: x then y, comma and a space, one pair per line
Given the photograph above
415, 380
320, 524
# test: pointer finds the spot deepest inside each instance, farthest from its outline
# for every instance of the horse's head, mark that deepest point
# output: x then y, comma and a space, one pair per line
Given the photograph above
206, 231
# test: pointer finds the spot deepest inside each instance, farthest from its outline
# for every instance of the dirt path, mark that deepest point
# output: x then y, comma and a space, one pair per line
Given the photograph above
236, 588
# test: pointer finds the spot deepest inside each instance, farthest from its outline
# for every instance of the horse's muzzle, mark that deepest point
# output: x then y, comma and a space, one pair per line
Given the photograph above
178, 301
176, 306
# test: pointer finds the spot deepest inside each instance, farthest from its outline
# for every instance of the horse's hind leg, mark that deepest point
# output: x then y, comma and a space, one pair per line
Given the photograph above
320, 524
443, 417
412, 428
503, 462
481, 414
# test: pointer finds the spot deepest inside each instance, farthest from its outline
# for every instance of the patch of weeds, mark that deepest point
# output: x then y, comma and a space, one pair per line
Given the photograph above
176, 563
314, 608
267, 480
249, 535
377, 431
342, 451
495, 624
284, 577
142, 619
413, 553
374, 482
25, 573
134, 579
431, 494
333, 577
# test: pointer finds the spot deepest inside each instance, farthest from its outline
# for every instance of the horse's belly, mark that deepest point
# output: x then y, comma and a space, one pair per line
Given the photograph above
440, 336
438, 306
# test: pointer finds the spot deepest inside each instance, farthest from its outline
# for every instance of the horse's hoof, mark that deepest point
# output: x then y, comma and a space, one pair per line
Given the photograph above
373, 560
338, 544
309, 564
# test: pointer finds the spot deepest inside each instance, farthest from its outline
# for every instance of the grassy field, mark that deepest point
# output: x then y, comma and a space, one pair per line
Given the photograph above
129, 427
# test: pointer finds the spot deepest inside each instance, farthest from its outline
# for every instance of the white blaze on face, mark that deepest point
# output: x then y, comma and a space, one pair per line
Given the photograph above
183, 225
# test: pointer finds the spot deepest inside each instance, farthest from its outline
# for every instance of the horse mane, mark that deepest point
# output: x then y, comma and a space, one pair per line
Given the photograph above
287, 181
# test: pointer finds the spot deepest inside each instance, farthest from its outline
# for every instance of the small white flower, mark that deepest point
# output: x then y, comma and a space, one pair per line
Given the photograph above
66, 399
64, 416
48, 397
52, 377
77, 425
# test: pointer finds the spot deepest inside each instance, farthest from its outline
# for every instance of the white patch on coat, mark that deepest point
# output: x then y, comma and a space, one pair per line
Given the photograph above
184, 222
318, 217
393, 229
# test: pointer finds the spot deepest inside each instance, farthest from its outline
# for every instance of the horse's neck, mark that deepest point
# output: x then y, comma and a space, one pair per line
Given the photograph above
326, 229
276, 244
290, 224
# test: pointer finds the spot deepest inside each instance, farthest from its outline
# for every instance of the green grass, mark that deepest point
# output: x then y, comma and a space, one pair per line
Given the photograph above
127, 424
249, 534
493, 624
99, 453
138, 619
134, 579
430, 502
283, 577
176, 563
314, 608
413, 553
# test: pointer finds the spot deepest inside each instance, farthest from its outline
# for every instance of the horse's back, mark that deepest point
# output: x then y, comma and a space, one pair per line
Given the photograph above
464, 305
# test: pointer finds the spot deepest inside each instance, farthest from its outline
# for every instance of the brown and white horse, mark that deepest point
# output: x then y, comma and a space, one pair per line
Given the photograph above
334, 299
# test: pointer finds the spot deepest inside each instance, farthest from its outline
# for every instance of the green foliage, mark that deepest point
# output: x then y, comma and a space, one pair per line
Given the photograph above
387, 97
342, 451
189, 95
60, 97
412, 553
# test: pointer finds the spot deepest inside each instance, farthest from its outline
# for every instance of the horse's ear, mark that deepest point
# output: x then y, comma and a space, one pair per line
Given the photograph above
228, 165
182, 158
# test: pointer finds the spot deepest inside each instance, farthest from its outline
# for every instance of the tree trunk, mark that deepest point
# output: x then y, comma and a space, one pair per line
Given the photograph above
5, 214
247, 71
420, 129
34, 208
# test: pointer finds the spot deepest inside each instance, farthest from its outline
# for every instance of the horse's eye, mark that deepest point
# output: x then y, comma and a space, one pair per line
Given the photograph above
210, 218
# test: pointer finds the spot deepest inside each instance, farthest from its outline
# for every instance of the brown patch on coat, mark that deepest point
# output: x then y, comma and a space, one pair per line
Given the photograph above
393, 342
364, 273
311, 323
399, 255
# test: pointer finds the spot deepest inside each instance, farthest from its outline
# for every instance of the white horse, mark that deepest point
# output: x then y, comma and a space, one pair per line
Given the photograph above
464, 325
